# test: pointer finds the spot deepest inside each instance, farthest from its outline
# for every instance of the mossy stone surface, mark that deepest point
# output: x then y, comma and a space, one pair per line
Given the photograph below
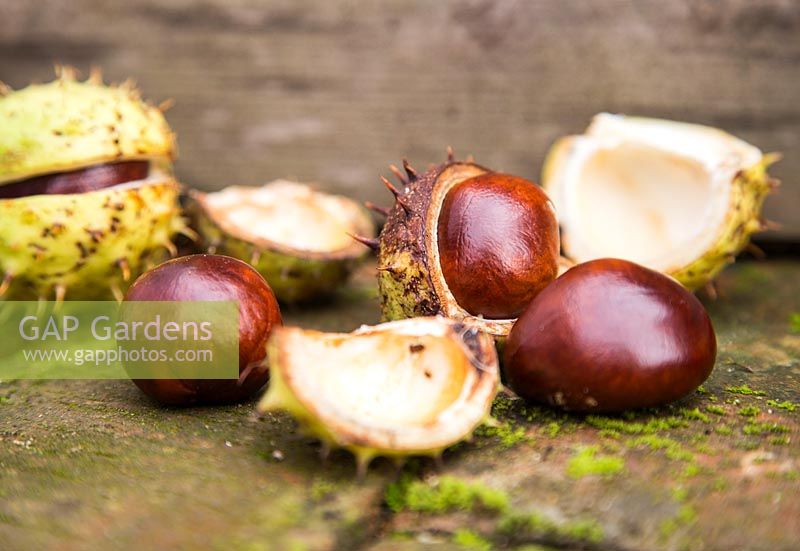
87, 465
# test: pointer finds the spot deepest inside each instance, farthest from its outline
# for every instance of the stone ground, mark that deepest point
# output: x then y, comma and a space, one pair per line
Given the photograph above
95, 464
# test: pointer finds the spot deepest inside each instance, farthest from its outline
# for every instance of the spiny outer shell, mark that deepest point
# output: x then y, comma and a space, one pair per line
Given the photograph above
367, 442
79, 241
65, 124
294, 276
748, 191
408, 286
404, 280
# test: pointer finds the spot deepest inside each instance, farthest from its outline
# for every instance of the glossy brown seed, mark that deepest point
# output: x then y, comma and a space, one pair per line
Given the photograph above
77, 181
213, 277
610, 335
498, 244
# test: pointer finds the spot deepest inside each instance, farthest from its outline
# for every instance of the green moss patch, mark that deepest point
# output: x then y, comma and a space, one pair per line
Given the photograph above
450, 494
784, 405
587, 462
756, 428
694, 415
467, 539
685, 516
650, 426
672, 449
749, 411
446, 495
794, 322
506, 433
744, 390
523, 526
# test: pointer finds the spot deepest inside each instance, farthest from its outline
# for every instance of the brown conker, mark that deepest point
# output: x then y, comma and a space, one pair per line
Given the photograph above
610, 335
206, 277
498, 244
81, 180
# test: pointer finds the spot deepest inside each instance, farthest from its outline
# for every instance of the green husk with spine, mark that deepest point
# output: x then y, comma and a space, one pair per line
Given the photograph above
409, 387
295, 273
91, 244
676, 197
410, 278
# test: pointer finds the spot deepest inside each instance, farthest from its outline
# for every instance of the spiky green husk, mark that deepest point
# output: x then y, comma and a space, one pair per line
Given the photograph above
279, 397
66, 124
410, 279
334, 433
294, 276
87, 246
748, 191
404, 275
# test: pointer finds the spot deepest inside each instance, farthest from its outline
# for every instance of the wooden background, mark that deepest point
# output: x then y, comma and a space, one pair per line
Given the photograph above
333, 91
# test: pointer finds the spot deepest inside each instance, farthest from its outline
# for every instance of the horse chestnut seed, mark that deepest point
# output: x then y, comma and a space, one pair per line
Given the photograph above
498, 244
206, 277
610, 335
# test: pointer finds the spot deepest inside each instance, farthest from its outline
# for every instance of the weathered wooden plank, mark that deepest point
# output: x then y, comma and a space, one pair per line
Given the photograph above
332, 92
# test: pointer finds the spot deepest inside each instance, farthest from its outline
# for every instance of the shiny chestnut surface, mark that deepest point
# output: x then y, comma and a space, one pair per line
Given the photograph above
610, 335
498, 244
78, 181
213, 277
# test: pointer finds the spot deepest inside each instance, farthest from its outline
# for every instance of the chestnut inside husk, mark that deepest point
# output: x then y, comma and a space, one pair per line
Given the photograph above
467, 243
82, 180
206, 277
87, 191
498, 244
610, 335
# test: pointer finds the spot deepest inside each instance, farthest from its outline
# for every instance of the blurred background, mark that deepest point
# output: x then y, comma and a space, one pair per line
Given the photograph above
331, 92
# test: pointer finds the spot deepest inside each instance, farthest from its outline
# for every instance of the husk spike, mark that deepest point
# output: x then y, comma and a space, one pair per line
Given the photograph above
771, 158
756, 251
412, 174
376, 208
372, 243
125, 268
272, 401
363, 458
171, 248
325, 451
711, 290
65, 72
117, 292
403, 203
400, 176
61, 292
95, 75
6, 283
390, 187
189, 233
166, 105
